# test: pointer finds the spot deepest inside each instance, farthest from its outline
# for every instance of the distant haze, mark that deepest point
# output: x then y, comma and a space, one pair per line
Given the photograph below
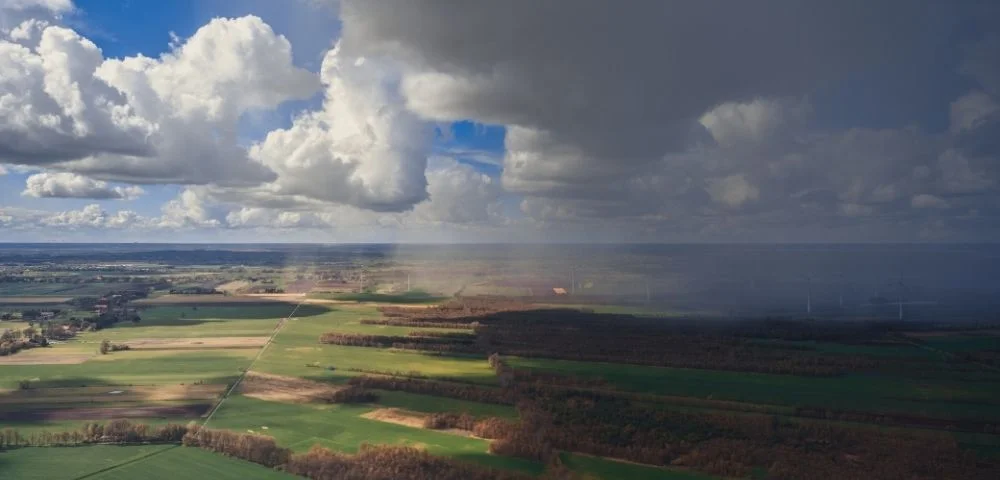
952, 281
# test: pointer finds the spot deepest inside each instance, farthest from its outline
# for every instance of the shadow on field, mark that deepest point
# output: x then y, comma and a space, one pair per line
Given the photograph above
73, 382
63, 399
306, 310
175, 322
55, 383
415, 297
232, 312
498, 462
342, 376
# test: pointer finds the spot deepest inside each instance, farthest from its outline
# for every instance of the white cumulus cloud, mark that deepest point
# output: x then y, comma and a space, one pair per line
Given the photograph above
188, 210
256, 217
457, 194
52, 108
172, 119
54, 6
363, 148
71, 185
92, 216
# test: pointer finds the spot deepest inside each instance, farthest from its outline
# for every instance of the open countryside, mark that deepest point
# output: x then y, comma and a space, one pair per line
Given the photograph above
371, 366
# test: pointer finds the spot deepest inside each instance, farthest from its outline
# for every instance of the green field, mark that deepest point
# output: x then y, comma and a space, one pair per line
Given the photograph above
127, 462
854, 392
283, 359
73, 462
347, 319
183, 462
963, 343
232, 311
58, 426
936, 387
204, 321
61, 289
340, 427
593, 467
296, 351
159, 366
134, 368
903, 351
430, 404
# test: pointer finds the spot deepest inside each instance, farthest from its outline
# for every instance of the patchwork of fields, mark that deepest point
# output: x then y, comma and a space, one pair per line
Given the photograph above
180, 361
127, 462
184, 357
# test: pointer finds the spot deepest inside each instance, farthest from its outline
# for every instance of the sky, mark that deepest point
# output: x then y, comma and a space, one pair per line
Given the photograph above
499, 121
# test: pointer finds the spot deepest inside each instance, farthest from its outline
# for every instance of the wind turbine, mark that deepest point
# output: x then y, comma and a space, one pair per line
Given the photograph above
809, 279
902, 288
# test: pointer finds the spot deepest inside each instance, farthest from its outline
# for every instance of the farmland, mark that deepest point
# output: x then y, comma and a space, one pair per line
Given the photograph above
36, 463
116, 462
342, 428
350, 357
942, 399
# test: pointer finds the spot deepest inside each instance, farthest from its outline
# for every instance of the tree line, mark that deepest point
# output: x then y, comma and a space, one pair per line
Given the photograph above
410, 374
418, 323
385, 341
108, 347
464, 310
389, 463
444, 345
380, 462
489, 427
497, 396
565, 415
462, 337
729, 444
114, 432
15, 340
564, 335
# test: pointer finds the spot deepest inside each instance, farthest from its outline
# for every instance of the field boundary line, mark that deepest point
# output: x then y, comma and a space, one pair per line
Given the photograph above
277, 329
127, 462
947, 354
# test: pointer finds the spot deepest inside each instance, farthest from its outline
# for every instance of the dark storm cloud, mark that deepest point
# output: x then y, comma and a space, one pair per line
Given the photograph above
595, 82
697, 114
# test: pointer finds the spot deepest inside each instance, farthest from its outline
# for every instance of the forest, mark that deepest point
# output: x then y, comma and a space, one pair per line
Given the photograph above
562, 415
579, 335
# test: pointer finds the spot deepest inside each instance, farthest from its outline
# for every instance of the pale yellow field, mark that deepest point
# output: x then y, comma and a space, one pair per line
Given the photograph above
195, 343
45, 356
106, 394
278, 388
233, 287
